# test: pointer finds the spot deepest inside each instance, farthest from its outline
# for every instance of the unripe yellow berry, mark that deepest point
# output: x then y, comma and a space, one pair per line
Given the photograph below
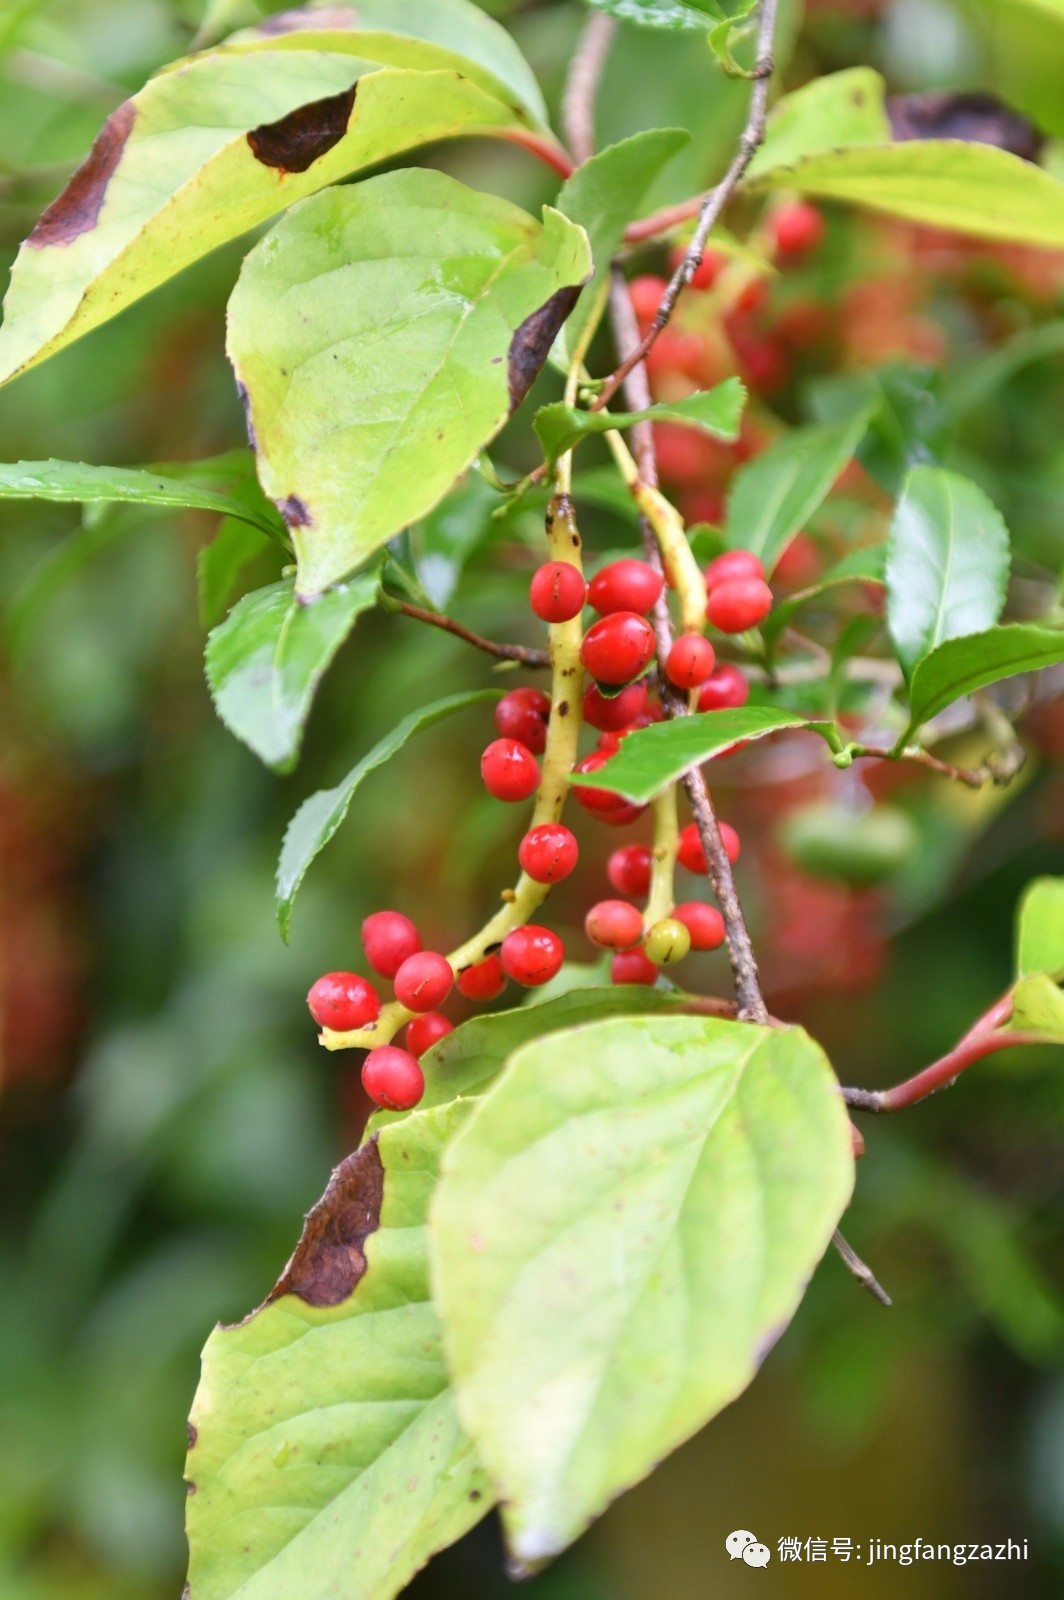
666, 942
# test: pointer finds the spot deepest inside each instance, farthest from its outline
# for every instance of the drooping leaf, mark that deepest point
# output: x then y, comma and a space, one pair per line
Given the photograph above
867, 565
774, 494
839, 109
968, 188
602, 196
667, 14
325, 1451
947, 563
718, 411
651, 758
383, 334
265, 661
77, 483
318, 818
466, 1062
960, 666
624, 1225
229, 138
907, 425
1038, 1007
1040, 929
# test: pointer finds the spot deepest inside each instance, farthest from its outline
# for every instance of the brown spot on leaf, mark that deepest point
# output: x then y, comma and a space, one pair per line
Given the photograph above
329, 1260
293, 21
974, 117
193, 1434
293, 143
295, 511
531, 344
77, 209
190, 1487
245, 401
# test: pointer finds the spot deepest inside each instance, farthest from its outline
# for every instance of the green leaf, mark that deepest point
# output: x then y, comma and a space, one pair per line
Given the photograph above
651, 758
1023, 48
718, 411
602, 196
1040, 929
467, 1062
968, 188
842, 108
947, 563
326, 1454
74, 482
265, 661
623, 1227
773, 495
866, 565
219, 564
219, 144
444, 541
960, 666
318, 818
383, 334
667, 14
1038, 1007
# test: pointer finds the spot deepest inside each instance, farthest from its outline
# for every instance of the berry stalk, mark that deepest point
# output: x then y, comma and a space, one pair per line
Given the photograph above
559, 758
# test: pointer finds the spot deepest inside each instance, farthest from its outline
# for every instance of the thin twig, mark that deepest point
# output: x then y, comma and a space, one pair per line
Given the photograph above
581, 86
860, 1269
751, 1003
712, 204
971, 777
505, 652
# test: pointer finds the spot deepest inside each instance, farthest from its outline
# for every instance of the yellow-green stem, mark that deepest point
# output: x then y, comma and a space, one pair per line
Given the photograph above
663, 858
559, 757
666, 523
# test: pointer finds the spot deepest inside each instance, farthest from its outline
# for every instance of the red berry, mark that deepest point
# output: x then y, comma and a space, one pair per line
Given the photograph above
616, 712
621, 815
557, 591
592, 799
618, 648
522, 714
614, 924
632, 966
628, 869
733, 564
704, 923
684, 454
693, 857
626, 585
343, 1001
425, 1031
531, 955
708, 270
646, 293
509, 769
388, 938
690, 661
798, 227
739, 604
484, 980
726, 690
548, 852
423, 981
392, 1078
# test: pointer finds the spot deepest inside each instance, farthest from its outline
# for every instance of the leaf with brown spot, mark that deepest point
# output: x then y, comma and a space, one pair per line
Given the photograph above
366, 328
218, 145
329, 1458
293, 143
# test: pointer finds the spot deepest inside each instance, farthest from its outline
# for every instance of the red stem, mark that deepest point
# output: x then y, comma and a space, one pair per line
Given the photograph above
661, 221
546, 149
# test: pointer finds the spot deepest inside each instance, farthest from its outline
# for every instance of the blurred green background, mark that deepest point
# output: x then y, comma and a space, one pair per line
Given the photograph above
167, 1115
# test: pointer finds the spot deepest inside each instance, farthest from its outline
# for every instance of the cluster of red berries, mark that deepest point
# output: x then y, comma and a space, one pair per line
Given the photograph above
616, 651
